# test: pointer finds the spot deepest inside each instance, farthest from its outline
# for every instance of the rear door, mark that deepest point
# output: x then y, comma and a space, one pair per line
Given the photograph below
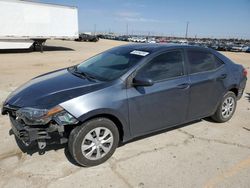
207, 75
165, 103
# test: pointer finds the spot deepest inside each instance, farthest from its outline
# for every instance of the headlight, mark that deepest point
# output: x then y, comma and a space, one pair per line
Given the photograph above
64, 118
33, 116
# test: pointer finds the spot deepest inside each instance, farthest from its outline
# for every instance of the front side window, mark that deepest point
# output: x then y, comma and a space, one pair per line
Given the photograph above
201, 61
164, 66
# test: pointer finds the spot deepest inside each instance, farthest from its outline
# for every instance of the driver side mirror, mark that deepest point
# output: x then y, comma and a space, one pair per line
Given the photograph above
141, 81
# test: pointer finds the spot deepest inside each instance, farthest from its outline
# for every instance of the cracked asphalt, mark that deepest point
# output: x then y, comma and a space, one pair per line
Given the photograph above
198, 154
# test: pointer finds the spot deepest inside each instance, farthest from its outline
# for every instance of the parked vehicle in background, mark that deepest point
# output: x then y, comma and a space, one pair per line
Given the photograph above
24, 23
111, 37
161, 40
194, 43
137, 39
216, 44
181, 41
213, 45
123, 93
151, 40
132, 39
87, 38
122, 38
237, 48
222, 47
246, 49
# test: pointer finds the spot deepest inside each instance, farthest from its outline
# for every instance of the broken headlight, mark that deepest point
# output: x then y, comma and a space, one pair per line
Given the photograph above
64, 118
33, 116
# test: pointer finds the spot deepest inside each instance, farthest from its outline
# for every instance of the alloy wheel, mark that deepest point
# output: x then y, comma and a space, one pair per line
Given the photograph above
227, 107
97, 143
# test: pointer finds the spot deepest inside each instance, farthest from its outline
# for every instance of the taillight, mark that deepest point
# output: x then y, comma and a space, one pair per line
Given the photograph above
245, 72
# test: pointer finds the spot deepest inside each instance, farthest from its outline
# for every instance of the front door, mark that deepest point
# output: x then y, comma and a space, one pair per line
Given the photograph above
163, 104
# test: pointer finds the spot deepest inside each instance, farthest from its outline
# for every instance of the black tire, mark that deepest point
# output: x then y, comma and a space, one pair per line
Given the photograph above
218, 117
78, 134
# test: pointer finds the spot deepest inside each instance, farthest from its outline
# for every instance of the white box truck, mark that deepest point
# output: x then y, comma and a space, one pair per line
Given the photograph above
26, 23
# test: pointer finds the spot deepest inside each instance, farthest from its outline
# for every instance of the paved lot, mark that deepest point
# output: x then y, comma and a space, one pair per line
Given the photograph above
202, 154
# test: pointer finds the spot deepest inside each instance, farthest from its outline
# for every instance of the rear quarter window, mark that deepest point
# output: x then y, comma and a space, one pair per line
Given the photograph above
202, 61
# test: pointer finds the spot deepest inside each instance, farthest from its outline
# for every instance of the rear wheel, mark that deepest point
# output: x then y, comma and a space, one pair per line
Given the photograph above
94, 142
226, 108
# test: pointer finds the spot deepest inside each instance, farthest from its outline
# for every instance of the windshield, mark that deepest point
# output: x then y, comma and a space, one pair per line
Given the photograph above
109, 65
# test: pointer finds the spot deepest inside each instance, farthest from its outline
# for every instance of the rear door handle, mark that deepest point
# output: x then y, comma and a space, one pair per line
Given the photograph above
223, 76
183, 86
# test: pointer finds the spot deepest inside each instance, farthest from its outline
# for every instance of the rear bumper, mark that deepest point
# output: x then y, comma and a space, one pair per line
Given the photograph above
241, 88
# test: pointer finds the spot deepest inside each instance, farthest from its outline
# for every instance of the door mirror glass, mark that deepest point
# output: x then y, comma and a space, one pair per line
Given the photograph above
142, 81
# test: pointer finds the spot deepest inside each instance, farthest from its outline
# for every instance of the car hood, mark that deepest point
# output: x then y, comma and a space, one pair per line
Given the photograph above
51, 89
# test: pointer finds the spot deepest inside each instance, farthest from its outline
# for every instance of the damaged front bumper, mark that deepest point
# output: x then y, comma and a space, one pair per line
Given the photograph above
42, 134
49, 133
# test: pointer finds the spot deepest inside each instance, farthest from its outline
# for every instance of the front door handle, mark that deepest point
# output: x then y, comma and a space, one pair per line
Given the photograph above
183, 86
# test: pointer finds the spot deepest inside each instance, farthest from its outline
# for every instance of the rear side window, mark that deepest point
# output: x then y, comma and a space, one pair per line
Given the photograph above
164, 66
201, 61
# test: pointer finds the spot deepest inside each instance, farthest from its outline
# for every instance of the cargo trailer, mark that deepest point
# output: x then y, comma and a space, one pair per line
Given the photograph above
25, 23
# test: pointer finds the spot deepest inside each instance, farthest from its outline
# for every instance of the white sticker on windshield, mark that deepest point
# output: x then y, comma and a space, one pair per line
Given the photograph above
141, 53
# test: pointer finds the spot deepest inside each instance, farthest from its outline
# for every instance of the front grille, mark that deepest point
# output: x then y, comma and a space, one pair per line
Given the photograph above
27, 133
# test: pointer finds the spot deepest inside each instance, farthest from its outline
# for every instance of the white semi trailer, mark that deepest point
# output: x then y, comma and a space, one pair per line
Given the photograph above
25, 23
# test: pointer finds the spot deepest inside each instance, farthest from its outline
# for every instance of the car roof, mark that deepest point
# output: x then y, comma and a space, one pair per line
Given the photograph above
151, 48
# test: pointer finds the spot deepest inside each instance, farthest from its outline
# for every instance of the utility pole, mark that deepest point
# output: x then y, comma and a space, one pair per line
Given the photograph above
127, 29
94, 29
187, 30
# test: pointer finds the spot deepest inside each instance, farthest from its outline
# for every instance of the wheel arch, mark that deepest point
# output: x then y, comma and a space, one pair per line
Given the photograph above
235, 91
232, 88
119, 121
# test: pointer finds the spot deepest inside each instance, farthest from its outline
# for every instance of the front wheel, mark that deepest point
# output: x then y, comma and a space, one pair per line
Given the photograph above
226, 108
94, 142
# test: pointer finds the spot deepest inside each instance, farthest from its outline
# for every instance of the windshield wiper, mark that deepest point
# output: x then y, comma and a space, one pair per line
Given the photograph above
88, 76
82, 74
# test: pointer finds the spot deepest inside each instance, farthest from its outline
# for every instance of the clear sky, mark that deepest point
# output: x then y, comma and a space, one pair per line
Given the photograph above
207, 18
